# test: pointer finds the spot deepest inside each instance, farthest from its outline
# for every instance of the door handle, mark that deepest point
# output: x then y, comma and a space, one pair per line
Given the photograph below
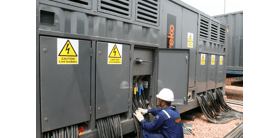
139, 61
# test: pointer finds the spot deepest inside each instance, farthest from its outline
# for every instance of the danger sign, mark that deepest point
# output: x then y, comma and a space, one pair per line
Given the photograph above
202, 62
190, 40
212, 59
114, 53
67, 51
221, 60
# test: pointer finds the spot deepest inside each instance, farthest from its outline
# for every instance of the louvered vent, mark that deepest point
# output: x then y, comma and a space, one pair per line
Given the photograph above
86, 4
120, 8
214, 31
204, 27
147, 11
222, 34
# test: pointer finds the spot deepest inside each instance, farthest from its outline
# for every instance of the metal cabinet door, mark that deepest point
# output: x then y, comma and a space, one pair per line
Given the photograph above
112, 80
65, 89
211, 71
173, 73
201, 72
220, 71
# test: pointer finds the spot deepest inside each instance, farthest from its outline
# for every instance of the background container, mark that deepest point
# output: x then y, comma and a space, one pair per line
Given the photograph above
235, 41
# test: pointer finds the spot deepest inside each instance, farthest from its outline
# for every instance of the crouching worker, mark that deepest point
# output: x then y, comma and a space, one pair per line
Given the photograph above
167, 123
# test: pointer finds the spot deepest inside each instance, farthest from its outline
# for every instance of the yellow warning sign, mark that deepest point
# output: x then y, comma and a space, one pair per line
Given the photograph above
115, 56
227, 30
202, 62
67, 54
212, 59
190, 40
221, 60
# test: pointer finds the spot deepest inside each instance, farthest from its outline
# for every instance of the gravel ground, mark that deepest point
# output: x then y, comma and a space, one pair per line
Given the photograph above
202, 128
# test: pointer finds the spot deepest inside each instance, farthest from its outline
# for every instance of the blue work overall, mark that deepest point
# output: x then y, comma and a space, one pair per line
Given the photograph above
167, 124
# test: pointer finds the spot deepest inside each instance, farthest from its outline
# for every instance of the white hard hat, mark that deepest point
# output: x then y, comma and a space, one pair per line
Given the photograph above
166, 95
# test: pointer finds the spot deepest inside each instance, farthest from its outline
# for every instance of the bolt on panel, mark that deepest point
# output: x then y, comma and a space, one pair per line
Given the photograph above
65, 88
211, 74
142, 62
189, 41
201, 72
173, 73
112, 78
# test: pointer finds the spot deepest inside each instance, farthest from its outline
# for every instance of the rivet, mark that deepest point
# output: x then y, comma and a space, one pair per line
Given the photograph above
45, 49
46, 119
99, 52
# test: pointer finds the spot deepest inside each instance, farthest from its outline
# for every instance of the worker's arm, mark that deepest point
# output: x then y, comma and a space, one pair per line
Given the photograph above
154, 125
154, 111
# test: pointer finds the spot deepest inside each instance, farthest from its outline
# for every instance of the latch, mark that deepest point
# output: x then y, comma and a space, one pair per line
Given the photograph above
139, 61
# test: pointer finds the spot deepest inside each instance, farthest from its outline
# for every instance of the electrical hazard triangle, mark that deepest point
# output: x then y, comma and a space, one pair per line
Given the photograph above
213, 59
190, 38
67, 50
115, 53
202, 57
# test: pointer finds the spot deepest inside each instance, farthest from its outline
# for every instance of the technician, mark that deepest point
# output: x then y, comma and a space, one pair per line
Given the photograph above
167, 123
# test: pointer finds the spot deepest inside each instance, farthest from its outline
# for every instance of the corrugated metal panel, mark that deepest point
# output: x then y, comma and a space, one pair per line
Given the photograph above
235, 39
84, 24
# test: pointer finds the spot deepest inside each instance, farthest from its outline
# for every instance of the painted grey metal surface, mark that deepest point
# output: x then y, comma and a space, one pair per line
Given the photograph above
211, 74
65, 89
74, 22
220, 71
235, 39
201, 73
145, 67
171, 8
173, 73
38, 94
189, 25
96, 26
112, 82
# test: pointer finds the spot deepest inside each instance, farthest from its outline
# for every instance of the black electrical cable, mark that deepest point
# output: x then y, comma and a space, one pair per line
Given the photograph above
210, 114
120, 126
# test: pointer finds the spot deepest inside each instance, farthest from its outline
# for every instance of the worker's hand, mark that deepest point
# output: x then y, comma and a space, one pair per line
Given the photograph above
143, 111
139, 116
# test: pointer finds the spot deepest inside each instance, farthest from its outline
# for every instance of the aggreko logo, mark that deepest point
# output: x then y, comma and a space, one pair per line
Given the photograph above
171, 35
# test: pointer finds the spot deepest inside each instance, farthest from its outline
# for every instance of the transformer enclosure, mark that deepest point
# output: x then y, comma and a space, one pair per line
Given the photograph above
91, 54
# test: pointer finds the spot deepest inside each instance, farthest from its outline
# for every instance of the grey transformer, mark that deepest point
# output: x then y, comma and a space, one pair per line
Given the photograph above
92, 53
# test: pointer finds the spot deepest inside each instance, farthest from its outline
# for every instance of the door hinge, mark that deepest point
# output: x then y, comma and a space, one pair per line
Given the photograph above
130, 54
89, 109
91, 51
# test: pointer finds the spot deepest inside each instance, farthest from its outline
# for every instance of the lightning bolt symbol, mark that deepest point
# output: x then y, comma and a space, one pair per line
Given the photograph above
67, 48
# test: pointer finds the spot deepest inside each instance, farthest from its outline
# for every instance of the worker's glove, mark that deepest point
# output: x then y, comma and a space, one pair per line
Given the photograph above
139, 116
143, 111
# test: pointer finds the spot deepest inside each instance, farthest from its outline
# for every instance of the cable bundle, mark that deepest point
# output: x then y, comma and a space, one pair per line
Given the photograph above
139, 101
109, 127
66, 132
217, 111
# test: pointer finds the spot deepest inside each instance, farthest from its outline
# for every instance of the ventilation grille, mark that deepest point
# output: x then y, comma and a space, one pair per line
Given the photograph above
214, 31
147, 11
120, 8
222, 34
204, 28
86, 4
